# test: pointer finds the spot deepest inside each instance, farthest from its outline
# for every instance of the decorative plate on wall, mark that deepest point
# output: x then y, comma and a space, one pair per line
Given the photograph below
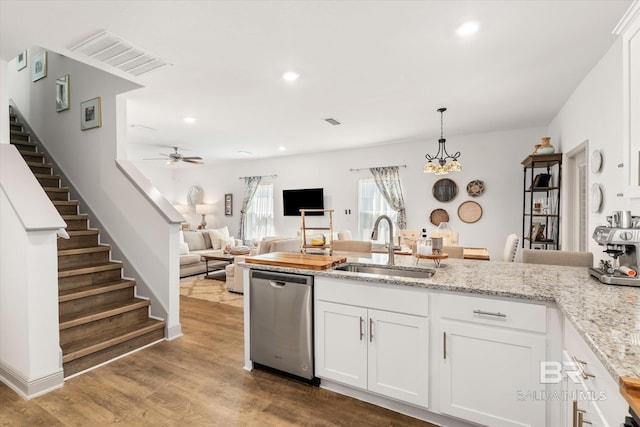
445, 190
596, 161
195, 195
596, 198
438, 215
470, 211
475, 188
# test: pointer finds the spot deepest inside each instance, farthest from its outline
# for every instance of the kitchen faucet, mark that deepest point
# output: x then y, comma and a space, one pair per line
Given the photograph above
374, 236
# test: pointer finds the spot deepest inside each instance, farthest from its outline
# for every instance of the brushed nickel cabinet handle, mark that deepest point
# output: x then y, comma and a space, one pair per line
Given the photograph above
444, 346
581, 420
580, 365
370, 330
361, 330
489, 313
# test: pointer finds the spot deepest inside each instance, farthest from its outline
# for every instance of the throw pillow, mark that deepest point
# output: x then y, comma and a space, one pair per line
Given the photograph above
184, 249
195, 240
219, 237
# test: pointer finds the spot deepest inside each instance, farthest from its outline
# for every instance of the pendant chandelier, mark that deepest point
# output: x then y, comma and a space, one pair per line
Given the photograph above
442, 168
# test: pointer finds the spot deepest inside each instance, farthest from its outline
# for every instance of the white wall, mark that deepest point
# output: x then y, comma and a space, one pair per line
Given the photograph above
492, 157
4, 104
87, 158
594, 113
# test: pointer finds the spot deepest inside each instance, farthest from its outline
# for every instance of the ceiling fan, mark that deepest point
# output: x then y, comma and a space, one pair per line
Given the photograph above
177, 157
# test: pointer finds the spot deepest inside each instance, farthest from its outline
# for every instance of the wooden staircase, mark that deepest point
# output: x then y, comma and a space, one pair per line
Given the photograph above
100, 317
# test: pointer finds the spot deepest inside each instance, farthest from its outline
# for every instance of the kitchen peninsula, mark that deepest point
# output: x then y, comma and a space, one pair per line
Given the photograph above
477, 333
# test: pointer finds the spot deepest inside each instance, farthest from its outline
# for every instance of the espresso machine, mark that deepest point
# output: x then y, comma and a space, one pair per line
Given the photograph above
621, 238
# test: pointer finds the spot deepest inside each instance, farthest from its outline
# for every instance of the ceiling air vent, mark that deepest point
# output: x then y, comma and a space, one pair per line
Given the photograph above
332, 121
118, 53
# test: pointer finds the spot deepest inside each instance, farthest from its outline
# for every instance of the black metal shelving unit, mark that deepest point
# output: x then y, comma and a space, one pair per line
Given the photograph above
534, 165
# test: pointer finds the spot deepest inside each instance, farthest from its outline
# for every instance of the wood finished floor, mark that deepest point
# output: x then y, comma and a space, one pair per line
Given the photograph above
196, 380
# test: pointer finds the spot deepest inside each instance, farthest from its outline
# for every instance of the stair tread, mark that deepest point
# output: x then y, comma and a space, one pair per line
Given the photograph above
56, 189
84, 347
68, 272
39, 164
65, 202
31, 153
101, 311
21, 142
85, 250
88, 232
19, 132
46, 175
90, 290
76, 216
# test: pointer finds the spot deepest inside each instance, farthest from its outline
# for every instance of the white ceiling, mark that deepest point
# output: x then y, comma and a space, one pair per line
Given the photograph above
382, 68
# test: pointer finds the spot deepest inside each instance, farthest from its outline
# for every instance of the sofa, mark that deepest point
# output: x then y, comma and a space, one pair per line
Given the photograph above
235, 282
194, 244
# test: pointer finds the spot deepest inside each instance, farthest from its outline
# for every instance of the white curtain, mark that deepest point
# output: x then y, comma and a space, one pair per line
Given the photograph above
259, 221
371, 205
388, 181
250, 186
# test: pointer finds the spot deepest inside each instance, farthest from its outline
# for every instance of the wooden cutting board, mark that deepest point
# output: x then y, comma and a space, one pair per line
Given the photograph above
295, 260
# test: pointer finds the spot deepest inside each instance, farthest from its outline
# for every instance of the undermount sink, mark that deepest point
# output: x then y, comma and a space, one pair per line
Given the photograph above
387, 270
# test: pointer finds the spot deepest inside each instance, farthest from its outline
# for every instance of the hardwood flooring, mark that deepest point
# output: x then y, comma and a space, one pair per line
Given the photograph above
196, 380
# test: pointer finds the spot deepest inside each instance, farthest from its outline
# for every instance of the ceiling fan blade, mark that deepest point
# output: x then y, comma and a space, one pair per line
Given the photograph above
155, 158
192, 158
196, 162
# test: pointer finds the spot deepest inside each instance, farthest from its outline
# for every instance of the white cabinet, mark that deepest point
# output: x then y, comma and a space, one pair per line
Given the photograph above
592, 396
378, 350
490, 359
341, 343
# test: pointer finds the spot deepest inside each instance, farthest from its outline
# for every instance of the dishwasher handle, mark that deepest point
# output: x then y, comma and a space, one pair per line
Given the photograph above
277, 285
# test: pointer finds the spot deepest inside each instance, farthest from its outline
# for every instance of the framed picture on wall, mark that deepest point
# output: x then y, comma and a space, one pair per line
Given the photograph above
228, 204
39, 66
90, 114
62, 93
21, 60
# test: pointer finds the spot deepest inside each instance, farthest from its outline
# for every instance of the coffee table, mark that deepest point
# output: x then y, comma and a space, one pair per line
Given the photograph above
222, 261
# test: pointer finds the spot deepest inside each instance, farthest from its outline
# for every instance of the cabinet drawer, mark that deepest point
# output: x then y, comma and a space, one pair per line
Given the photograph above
604, 389
488, 311
396, 298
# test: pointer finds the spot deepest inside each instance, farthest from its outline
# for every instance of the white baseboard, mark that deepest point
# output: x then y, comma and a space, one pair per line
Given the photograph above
34, 388
174, 332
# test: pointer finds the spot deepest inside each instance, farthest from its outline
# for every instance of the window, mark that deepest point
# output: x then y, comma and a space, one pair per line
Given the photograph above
371, 205
260, 214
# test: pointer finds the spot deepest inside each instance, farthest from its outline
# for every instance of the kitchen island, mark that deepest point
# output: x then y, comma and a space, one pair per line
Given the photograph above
605, 318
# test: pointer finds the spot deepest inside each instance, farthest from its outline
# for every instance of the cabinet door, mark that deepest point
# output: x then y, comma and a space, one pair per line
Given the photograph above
399, 356
490, 375
341, 343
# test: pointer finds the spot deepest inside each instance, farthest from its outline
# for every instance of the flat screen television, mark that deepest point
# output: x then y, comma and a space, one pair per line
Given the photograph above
307, 198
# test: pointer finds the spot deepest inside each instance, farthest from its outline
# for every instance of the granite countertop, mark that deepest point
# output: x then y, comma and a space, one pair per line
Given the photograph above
607, 316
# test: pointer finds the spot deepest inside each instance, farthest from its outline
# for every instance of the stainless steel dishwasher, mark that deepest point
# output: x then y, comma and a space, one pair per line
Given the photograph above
281, 321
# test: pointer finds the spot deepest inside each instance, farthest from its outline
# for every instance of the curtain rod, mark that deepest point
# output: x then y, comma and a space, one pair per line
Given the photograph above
366, 169
261, 176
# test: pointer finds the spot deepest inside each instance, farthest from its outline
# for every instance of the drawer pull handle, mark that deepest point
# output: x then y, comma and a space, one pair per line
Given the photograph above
580, 365
444, 342
489, 313
370, 330
361, 331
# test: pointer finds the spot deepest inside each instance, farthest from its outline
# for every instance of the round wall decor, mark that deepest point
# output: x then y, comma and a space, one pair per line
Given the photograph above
596, 198
596, 161
445, 190
475, 188
470, 211
438, 215
195, 195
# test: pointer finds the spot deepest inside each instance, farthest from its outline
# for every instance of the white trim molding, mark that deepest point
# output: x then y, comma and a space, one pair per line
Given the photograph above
28, 389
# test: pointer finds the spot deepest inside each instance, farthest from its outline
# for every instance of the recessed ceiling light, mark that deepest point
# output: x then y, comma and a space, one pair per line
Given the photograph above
290, 76
189, 120
244, 152
467, 29
281, 148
